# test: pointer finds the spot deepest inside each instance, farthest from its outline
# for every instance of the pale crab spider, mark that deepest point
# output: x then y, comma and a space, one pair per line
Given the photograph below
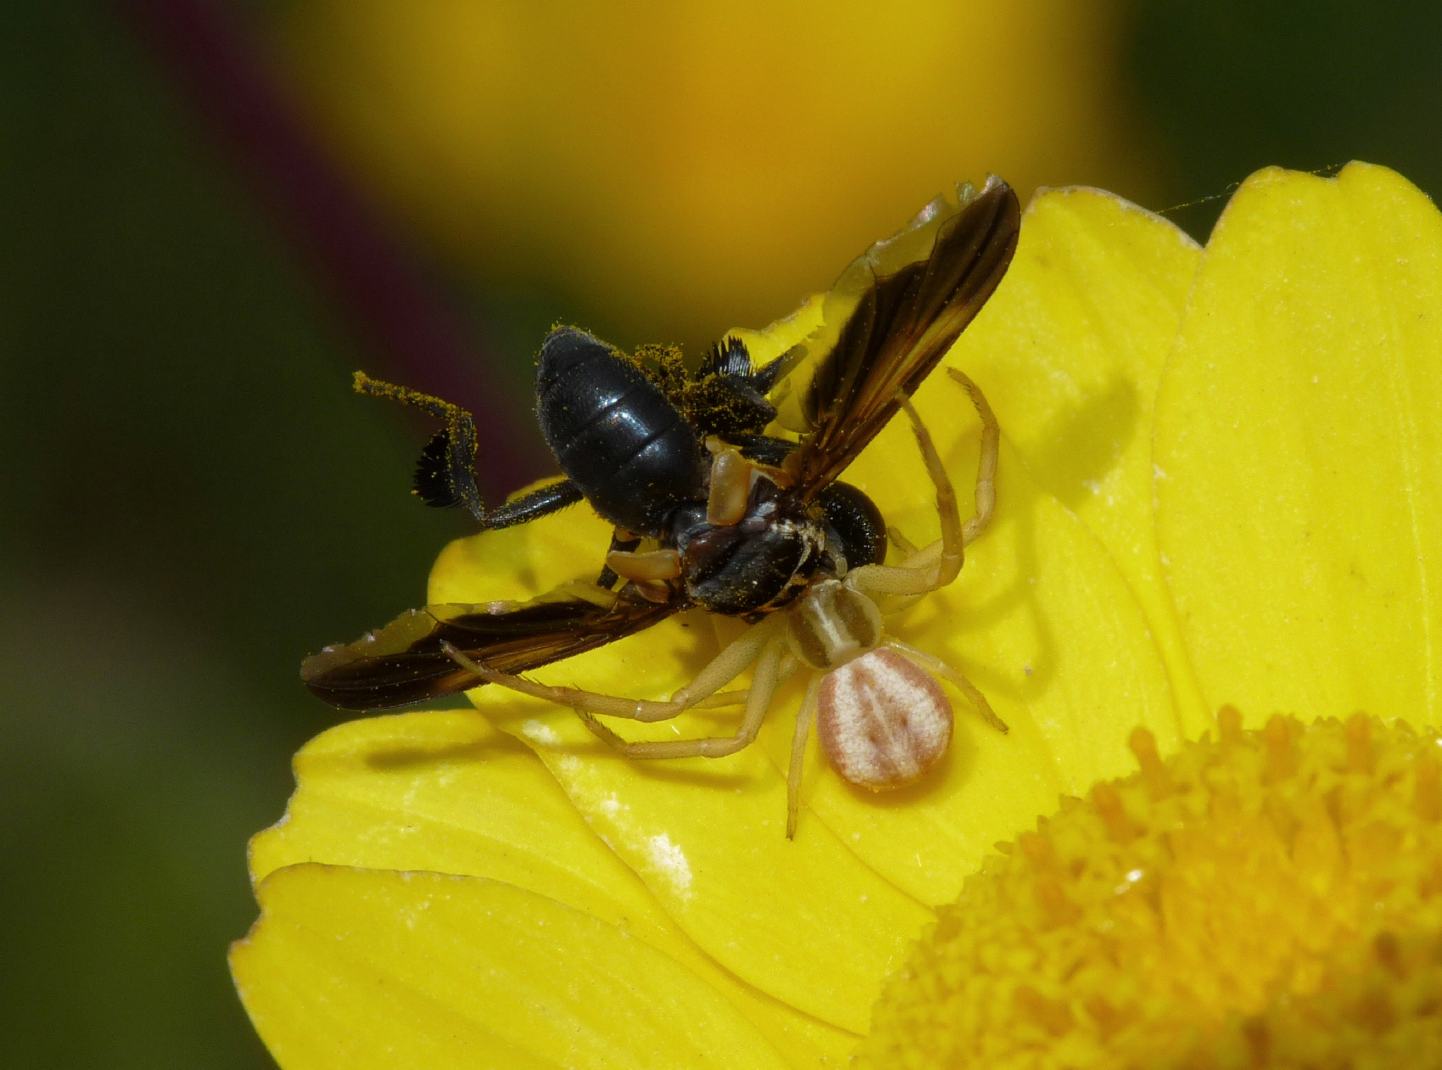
881, 716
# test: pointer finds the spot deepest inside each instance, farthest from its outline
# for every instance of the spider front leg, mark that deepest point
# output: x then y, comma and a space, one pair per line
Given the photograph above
802, 730
939, 567
986, 465
763, 686
936, 565
717, 673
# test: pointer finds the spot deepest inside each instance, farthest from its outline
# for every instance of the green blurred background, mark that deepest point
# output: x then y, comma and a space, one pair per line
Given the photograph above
213, 213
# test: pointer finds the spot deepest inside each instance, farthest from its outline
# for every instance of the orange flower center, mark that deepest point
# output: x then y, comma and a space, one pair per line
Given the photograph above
1266, 898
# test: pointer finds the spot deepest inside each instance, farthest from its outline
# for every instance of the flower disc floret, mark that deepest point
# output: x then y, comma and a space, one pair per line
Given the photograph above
1268, 897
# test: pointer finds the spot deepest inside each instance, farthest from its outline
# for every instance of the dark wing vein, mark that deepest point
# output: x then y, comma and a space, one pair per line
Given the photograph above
901, 307
403, 662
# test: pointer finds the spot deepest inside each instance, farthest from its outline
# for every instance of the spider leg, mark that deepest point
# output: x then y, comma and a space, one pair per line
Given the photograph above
737, 696
906, 578
717, 673
937, 667
986, 465
804, 717
763, 686
936, 565
722, 699
906, 547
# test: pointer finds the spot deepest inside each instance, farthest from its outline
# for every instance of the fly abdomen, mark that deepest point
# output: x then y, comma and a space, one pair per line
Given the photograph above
614, 434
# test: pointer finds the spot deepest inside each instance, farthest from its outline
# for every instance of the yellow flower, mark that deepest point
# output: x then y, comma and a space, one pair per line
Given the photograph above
1270, 898
682, 165
1217, 485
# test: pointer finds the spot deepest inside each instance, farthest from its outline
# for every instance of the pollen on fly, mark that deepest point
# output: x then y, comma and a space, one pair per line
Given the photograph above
715, 504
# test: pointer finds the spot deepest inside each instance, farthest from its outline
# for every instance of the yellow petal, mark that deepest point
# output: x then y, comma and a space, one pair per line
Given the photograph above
1071, 350
448, 792
1042, 620
443, 791
1299, 450
706, 838
705, 835
358, 968
1061, 623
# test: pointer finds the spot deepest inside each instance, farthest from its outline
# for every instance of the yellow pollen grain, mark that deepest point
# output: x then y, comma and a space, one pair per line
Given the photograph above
1265, 898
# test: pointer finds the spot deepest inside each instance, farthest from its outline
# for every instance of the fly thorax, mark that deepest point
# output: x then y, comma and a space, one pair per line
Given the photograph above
831, 624
755, 566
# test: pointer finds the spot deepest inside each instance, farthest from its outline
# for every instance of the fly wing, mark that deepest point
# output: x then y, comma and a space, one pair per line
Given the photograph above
890, 319
403, 662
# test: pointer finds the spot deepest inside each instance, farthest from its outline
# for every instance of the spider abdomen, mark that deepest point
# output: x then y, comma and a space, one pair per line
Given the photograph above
882, 721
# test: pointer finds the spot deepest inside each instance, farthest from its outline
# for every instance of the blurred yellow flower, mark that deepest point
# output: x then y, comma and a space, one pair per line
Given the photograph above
1217, 484
678, 166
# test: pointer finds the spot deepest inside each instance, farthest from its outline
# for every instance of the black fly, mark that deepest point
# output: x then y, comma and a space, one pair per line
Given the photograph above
709, 510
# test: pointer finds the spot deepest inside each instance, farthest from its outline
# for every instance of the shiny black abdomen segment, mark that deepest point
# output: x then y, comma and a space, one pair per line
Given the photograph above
614, 433
857, 522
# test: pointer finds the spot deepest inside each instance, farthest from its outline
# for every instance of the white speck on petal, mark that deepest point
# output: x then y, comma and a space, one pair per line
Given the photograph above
670, 861
539, 732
